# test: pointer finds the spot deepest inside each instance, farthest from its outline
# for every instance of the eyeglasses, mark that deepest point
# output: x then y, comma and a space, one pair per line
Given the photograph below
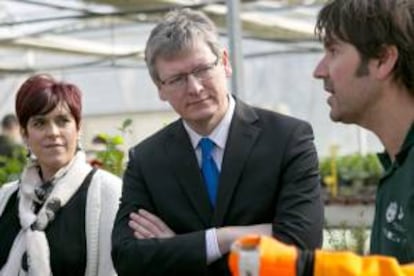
201, 73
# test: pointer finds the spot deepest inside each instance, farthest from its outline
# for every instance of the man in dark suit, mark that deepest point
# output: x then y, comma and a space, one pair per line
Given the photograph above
223, 170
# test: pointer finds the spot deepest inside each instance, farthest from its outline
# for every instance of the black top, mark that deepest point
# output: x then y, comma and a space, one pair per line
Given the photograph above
66, 234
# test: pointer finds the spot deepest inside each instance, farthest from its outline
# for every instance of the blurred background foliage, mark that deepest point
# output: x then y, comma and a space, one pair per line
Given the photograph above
112, 157
12, 166
353, 168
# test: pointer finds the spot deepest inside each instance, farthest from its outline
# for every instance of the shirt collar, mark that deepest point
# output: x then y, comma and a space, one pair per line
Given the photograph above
405, 148
219, 133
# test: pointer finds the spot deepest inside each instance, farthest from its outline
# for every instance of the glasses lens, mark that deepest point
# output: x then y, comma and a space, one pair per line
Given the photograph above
201, 74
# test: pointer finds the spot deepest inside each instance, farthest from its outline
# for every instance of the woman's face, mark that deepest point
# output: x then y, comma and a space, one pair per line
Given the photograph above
52, 138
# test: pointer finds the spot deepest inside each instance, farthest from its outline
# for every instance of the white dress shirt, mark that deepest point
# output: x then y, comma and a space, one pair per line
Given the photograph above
219, 137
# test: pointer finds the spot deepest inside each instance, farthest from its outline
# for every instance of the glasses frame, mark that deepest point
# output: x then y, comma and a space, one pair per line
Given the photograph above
171, 81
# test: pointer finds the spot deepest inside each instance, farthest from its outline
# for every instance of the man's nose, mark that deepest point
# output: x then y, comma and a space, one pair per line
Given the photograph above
194, 85
320, 71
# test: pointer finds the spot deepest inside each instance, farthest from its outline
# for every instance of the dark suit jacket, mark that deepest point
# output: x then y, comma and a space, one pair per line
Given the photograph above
269, 174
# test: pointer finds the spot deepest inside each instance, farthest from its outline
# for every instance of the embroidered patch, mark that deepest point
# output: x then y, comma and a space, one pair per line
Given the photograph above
391, 212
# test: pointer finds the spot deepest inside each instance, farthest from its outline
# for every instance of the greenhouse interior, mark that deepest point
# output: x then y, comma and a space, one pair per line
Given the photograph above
99, 45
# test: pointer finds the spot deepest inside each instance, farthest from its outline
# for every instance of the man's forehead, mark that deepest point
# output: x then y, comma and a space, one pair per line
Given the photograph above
330, 39
201, 53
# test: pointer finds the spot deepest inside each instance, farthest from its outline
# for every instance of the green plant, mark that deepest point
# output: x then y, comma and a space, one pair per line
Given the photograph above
359, 235
112, 158
347, 238
337, 237
12, 166
353, 168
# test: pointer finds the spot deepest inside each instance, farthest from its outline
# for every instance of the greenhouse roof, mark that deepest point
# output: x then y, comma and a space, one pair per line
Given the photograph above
45, 35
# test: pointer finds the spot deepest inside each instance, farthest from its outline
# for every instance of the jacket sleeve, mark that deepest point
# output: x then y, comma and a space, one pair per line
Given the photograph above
182, 254
350, 264
299, 209
110, 193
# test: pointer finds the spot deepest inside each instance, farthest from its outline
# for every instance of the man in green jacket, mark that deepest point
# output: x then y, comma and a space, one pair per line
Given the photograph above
368, 71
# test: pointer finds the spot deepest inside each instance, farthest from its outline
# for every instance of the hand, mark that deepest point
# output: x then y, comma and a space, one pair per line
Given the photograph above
227, 235
273, 257
147, 225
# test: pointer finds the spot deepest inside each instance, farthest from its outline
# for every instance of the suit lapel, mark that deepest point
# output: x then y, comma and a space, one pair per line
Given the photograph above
242, 136
184, 163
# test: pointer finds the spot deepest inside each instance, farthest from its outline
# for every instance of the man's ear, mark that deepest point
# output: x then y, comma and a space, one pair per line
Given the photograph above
387, 61
161, 94
225, 59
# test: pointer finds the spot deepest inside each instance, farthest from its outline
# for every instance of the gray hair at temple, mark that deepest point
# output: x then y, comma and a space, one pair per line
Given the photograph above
370, 25
177, 32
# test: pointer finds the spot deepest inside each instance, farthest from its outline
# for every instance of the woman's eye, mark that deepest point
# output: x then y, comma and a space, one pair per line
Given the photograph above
38, 123
63, 121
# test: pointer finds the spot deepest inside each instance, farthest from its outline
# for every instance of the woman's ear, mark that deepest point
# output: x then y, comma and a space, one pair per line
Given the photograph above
23, 134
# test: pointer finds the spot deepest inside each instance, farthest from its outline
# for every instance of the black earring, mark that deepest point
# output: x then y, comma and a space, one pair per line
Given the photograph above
28, 154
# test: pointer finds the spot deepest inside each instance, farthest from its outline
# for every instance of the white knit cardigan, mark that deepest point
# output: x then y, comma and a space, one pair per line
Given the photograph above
101, 206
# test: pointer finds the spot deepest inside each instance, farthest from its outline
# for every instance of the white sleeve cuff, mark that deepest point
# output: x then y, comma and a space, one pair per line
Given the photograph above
212, 247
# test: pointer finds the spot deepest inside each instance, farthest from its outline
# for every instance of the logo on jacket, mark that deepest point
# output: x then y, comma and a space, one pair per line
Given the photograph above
395, 230
391, 212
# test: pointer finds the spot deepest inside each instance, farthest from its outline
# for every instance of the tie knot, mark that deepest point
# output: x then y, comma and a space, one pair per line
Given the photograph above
206, 145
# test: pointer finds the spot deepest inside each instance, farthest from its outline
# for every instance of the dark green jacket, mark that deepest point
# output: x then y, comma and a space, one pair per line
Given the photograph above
393, 228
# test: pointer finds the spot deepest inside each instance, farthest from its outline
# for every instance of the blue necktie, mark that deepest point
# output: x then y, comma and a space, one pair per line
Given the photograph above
209, 169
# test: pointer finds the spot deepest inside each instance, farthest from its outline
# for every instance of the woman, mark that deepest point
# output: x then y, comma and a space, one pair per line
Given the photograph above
57, 219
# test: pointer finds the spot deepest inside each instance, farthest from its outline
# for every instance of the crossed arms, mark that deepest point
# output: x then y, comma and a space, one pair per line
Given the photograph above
156, 234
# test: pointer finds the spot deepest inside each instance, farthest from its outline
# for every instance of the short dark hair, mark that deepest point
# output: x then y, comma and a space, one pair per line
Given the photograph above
370, 25
177, 32
41, 93
9, 121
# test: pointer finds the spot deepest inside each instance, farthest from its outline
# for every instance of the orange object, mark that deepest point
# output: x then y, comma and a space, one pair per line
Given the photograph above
349, 264
266, 256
